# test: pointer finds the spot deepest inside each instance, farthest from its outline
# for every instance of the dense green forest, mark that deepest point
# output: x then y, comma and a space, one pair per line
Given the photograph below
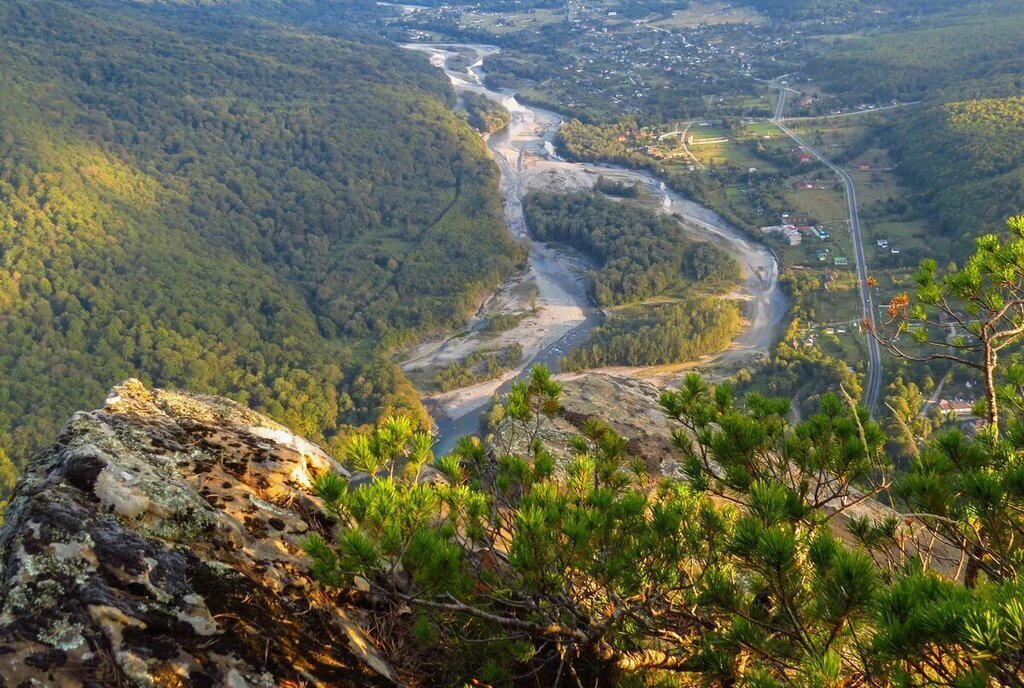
960, 150
819, 9
611, 187
479, 366
967, 160
228, 205
483, 114
600, 143
639, 253
982, 43
658, 334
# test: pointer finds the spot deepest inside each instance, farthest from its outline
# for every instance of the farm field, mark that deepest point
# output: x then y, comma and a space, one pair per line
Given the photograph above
501, 24
709, 14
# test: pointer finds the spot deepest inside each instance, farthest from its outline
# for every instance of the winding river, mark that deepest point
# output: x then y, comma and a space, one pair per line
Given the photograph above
530, 135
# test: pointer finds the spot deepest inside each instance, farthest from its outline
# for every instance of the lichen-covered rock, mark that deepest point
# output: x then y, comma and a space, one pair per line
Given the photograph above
156, 543
629, 406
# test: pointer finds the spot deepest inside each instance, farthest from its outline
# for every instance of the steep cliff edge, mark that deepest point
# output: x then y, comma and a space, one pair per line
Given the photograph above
156, 543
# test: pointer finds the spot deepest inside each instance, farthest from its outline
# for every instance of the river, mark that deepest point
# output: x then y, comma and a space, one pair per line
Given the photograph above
523, 151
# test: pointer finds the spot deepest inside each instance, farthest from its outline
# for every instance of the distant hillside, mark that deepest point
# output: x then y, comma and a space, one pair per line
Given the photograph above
967, 159
962, 150
820, 9
913, 64
228, 205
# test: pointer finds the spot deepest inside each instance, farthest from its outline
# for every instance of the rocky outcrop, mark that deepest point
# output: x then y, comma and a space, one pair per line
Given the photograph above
628, 405
156, 543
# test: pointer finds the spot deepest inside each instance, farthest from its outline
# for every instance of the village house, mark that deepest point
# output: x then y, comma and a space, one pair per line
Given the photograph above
960, 409
790, 232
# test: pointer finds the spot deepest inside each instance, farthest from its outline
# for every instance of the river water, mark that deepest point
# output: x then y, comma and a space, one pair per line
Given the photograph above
531, 132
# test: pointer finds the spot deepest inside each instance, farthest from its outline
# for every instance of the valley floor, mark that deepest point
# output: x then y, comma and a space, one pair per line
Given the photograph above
551, 298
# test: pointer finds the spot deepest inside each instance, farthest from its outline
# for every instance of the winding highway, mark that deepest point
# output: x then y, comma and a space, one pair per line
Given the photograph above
873, 387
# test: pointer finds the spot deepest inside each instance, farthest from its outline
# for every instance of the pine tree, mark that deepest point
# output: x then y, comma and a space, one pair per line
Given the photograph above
773, 563
982, 305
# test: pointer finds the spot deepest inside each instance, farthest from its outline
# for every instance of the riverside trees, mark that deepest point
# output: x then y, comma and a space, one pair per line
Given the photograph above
639, 253
641, 256
485, 115
658, 334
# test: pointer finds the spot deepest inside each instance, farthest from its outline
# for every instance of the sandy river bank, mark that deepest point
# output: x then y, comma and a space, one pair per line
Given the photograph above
557, 312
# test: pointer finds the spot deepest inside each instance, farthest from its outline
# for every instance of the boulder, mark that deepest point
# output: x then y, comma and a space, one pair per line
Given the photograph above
628, 405
157, 543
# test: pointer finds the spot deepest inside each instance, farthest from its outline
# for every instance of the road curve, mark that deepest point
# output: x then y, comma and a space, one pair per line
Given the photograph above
873, 388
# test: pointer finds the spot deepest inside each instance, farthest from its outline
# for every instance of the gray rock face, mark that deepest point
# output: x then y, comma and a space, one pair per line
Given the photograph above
629, 406
156, 544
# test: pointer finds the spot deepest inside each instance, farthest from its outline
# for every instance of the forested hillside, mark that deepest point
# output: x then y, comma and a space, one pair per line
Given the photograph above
820, 9
961, 149
227, 205
969, 155
912, 64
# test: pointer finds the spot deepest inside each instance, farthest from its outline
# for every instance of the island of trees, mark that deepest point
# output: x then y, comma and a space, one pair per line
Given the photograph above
485, 115
658, 334
639, 253
479, 366
640, 256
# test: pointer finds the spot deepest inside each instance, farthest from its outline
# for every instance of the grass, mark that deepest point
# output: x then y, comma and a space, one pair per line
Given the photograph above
831, 139
501, 24
901, 233
752, 105
761, 129
822, 205
738, 152
711, 13
840, 303
732, 152
850, 347
712, 132
875, 156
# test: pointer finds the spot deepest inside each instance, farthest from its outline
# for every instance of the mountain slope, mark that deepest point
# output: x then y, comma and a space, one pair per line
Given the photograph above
960, 150
968, 157
227, 204
977, 42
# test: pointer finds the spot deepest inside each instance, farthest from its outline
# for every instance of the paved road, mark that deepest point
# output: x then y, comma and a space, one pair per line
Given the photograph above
854, 113
873, 388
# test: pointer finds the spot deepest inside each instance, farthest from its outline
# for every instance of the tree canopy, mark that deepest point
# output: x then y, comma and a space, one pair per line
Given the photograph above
658, 334
232, 205
639, 253
773, 563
